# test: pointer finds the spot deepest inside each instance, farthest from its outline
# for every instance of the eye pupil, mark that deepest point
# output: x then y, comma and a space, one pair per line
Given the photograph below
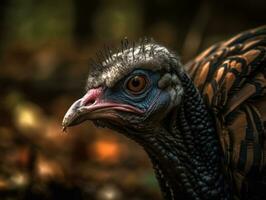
136, 84
135, 81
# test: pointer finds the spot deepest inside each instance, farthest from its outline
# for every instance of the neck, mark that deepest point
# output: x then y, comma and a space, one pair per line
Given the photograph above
186, 155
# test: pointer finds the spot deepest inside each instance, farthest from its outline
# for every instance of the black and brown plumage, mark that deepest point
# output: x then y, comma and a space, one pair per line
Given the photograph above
202, 124
231, 77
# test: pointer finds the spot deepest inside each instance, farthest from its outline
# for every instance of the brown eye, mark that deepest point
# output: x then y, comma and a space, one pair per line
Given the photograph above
136, 84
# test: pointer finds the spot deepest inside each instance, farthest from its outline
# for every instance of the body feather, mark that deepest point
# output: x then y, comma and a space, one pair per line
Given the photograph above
231, 77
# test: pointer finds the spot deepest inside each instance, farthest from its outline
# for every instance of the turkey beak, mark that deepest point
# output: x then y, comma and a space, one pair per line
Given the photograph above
92, 107
80, 110
71, 117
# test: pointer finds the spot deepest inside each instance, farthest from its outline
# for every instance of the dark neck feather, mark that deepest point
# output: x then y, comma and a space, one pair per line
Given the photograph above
186, 155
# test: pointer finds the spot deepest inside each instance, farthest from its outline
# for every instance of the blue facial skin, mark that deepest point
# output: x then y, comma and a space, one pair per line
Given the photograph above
152, 100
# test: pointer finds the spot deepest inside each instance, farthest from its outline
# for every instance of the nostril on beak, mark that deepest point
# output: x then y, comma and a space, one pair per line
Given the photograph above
92, 96
90, 102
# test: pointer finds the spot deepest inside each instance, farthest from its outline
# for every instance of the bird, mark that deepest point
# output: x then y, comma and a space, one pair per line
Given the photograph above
202, 124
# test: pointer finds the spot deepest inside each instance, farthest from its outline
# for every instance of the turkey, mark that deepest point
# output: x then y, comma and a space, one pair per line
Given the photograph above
202, 124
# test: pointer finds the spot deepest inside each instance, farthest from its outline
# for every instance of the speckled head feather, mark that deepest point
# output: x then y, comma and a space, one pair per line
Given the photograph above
147, 54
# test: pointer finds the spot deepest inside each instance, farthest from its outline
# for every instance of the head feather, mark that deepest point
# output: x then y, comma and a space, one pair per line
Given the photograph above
111, 67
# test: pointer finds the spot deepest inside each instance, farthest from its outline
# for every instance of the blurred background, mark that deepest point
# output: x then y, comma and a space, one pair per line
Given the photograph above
45, 47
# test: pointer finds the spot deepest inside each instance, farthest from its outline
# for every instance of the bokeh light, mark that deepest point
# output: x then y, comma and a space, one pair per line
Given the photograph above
107, 151
109, 192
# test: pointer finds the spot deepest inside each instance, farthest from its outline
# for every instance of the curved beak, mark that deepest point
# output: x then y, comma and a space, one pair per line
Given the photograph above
91, 107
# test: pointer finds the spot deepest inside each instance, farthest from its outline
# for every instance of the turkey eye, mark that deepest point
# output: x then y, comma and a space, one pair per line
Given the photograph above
136, 84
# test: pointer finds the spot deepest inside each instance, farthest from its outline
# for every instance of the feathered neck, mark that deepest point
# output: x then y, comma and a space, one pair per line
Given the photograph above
186, 154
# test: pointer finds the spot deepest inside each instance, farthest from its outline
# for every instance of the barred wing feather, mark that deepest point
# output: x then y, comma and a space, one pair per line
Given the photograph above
231, 77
